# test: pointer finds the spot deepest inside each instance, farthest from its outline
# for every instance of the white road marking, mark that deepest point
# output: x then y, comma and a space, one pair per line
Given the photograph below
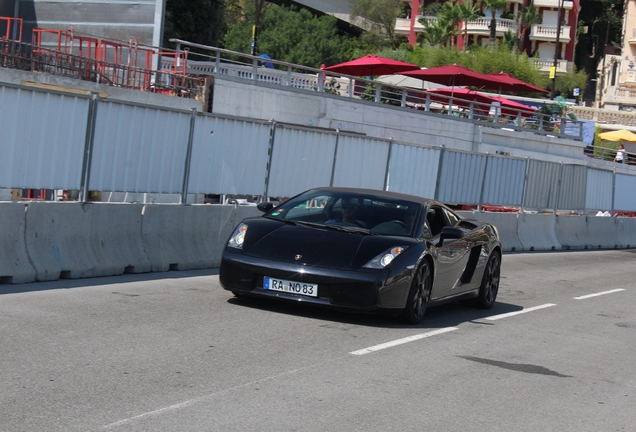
509, 314
402, 341
598, 294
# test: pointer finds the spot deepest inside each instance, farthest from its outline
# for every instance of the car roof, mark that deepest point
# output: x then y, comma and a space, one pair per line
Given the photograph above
378, 193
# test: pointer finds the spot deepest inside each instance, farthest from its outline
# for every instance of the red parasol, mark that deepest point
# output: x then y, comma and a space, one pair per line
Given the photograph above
371, 65
512, 84
485, 101
453, 75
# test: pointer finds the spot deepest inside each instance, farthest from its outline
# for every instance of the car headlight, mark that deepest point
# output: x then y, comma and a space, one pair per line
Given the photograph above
385, 258
238, 237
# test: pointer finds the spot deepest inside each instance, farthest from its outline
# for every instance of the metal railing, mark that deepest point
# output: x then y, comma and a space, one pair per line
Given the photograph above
271, 71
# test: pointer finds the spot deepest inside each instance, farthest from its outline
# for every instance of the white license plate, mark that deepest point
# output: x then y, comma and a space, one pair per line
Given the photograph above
301, 288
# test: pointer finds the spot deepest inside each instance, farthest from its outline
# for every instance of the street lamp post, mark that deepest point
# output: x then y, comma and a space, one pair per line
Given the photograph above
557, 49
258, 5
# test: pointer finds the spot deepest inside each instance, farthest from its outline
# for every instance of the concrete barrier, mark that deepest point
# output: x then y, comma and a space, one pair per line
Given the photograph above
572, 232
506, 224
603, 232
74, 240
537, 232
179, 237
15, 265
626, 232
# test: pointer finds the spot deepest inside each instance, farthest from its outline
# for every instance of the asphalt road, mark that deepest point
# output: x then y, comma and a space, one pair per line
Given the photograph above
175, 352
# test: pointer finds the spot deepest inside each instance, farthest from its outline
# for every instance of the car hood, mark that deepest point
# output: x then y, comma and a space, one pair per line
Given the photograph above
313, 246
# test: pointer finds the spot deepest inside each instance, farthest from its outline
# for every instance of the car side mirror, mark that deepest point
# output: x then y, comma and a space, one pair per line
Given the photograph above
265, 206
449, 232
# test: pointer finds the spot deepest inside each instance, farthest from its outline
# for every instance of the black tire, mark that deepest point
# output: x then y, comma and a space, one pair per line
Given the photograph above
489, 283
419, 295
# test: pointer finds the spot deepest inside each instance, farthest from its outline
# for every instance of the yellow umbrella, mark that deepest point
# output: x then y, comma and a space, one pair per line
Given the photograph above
619, 135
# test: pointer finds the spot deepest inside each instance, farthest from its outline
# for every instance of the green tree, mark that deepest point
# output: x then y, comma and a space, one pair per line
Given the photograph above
291, 35
381, 15
529, 17
468, 11
436, 32
494, 6
199, 21
452, 15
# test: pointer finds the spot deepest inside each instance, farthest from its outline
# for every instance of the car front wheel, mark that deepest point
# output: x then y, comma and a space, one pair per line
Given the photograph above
489, 283
419, 295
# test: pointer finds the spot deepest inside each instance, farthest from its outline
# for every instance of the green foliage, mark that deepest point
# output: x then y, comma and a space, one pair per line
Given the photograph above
199, 21
381, 15
291, 35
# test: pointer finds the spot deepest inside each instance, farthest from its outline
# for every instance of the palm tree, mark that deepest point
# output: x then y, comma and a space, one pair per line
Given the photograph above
450, 13
494, 6
529, 17
436, 32
468, 11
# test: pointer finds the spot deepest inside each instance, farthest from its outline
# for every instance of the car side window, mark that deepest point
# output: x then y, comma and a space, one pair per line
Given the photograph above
436, 220
452, 217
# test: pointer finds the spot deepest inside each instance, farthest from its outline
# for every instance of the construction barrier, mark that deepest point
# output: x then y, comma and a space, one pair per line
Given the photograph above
15, 266
74, 240
188, 237
537, 232
53, 240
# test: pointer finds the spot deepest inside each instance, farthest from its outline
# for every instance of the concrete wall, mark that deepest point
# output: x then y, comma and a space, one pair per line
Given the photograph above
42, 241
243, 98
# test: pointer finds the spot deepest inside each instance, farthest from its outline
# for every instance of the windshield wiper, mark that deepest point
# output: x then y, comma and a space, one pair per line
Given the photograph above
350, 229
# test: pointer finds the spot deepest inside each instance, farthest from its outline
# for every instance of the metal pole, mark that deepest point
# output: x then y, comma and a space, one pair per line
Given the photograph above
388, 165
258, 4
188, 159
270, 153
335, 156
483, 185
557, 51
439, 173
558, 191
88, 147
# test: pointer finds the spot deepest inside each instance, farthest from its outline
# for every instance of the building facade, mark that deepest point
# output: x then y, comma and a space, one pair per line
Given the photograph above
541, 38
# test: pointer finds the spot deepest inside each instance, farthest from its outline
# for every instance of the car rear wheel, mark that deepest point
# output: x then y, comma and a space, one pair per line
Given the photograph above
419, 295
489, 283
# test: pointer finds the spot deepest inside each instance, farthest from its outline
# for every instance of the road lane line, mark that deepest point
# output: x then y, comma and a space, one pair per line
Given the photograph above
402, 341
509, 314
598, 294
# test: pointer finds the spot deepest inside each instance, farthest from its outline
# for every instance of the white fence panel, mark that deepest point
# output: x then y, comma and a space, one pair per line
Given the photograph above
599, 190
542, 184
302, 159
361, 162
139, 149
625, 198
504, 181
461, 178
43, 136
573, 186
229, 156
413, 170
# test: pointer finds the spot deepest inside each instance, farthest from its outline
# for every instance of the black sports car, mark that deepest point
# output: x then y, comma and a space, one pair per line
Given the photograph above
363, 250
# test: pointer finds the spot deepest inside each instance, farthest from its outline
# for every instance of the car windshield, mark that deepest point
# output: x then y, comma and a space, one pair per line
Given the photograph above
350, 211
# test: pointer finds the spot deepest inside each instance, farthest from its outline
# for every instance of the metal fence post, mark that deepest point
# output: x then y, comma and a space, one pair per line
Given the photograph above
558, 191
335, 156
439, 172
483, 184
188, 159
613, 190
88, 147
388, 165
270, 153
525, 186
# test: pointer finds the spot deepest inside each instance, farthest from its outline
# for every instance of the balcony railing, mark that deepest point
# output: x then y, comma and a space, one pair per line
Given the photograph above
482, 26
544, 65
549, 33
555, 4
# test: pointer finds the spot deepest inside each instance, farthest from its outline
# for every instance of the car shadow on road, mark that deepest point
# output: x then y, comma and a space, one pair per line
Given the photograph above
102, 280
446, 315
